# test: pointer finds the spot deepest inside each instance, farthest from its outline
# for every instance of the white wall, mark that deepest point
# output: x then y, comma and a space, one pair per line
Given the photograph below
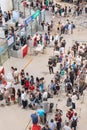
6, 5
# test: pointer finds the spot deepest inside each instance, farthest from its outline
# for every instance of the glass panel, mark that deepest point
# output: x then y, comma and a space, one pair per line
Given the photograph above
4, 57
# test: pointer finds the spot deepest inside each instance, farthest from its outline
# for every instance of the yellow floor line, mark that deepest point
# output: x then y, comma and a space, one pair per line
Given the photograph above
27, 64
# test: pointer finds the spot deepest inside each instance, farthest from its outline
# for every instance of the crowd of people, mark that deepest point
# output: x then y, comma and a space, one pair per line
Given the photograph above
5, 15
33, 93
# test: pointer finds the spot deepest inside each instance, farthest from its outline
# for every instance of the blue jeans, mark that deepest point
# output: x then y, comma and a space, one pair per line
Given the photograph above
73, 105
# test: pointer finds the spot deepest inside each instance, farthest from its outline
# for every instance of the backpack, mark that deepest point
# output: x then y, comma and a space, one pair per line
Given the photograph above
74, 123
69, 87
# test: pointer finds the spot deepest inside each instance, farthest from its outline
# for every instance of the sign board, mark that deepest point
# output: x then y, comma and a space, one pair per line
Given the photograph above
32, 17
36, 14
28, 20
10, 40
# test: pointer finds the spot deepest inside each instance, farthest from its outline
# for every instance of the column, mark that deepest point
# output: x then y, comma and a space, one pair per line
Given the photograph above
6, 5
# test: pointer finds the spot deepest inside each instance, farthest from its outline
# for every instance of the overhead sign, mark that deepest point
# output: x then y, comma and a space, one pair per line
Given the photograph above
36, 14
28, 20
32, 17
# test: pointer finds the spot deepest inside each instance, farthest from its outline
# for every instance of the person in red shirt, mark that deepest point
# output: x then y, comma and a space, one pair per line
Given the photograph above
32, 87
70, 114
36, 127
27, 84
35, 41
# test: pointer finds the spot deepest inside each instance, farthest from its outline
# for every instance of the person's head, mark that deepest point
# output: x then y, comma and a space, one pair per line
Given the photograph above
22, 91
71, 109
37, 79
41, 107
12, 68
57, 110
51, 81
57, 72
31, 76
29, 128
75, 114
22, 70
46, 126
15, 69
19, 90
27, 74
67, 123
51, 120
74, 93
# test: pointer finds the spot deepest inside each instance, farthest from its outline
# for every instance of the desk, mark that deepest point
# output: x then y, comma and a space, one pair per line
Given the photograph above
39, 48
21, 53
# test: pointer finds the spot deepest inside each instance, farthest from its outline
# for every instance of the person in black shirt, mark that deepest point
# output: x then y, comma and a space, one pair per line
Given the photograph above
50, 64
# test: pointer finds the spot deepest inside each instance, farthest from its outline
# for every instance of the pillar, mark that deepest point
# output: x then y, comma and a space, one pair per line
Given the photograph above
6, 5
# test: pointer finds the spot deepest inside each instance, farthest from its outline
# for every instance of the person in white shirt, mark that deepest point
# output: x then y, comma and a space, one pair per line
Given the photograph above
78, 60
24, 99
66, 126
16, 76
56, 9
45, 94
61, 50
52, 124
74, 97
69, 28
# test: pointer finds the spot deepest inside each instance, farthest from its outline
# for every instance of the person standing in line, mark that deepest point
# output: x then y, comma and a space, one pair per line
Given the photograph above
41, 114
46, 127
52, 124
42, 24
74, 121
23, 98
69, 28
9, 15
19, 97
50, 64
73, 101
13, 91
34, 117
16, 76
5, 16
66, 126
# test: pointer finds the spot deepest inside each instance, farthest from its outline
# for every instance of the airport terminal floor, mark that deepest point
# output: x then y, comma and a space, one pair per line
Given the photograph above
43, 62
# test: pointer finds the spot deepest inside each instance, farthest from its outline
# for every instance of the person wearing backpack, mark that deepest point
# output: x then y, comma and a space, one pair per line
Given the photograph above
66, 126
46, 127
74, 121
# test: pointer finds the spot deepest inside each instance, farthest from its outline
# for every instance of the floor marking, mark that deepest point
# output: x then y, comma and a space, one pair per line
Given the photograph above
27, 64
